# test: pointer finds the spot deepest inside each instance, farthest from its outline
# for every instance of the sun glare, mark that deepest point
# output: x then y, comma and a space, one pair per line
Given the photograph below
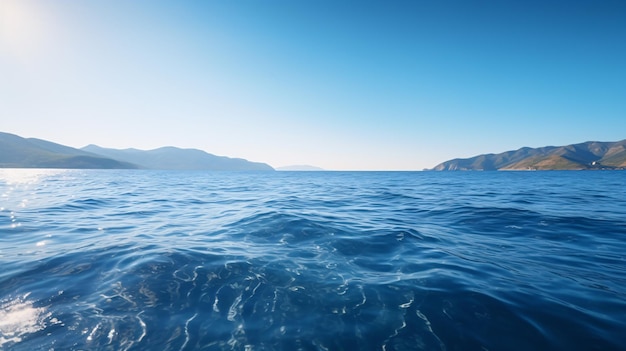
21, 28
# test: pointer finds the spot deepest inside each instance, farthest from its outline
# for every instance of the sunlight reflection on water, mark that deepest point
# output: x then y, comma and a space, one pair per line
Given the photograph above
27, 176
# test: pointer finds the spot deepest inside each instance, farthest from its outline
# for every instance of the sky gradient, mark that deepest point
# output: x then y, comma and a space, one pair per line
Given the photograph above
339, 85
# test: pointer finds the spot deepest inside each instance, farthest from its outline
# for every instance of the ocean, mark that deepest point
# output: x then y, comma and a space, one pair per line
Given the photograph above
174, 260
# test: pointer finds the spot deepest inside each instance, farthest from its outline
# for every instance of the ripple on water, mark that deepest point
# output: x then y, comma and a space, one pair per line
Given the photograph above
334, 261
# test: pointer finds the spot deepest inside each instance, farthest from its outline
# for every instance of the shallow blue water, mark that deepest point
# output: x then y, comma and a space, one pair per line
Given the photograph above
158, 260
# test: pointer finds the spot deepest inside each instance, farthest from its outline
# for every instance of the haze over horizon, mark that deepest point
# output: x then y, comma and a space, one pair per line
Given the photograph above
335, 84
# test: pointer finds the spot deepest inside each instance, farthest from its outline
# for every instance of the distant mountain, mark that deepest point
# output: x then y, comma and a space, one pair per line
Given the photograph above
299, 168
588, 155
170, 157
18, 152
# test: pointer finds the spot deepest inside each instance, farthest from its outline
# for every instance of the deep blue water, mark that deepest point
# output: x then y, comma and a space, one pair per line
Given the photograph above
151, 260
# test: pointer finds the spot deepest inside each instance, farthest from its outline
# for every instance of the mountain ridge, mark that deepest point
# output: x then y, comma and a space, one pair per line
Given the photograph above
582, 156
19, 152
171, 157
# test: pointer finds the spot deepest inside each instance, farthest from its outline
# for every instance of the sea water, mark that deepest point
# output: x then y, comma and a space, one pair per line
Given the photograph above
170, 260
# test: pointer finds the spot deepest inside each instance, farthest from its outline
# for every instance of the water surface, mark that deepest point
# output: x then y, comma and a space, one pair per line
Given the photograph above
147, 260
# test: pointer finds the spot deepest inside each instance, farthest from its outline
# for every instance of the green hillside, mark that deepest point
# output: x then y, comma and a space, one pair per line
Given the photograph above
589, 155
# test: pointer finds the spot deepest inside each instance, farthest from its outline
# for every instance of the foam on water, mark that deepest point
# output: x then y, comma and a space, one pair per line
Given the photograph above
19, 318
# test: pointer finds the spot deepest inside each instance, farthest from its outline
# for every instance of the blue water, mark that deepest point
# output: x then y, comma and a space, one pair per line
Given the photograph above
165, 260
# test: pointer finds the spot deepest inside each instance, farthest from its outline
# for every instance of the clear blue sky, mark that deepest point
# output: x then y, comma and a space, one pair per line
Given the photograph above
398, 85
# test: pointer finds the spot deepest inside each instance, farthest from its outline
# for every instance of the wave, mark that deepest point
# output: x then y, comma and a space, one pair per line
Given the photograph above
358, 262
